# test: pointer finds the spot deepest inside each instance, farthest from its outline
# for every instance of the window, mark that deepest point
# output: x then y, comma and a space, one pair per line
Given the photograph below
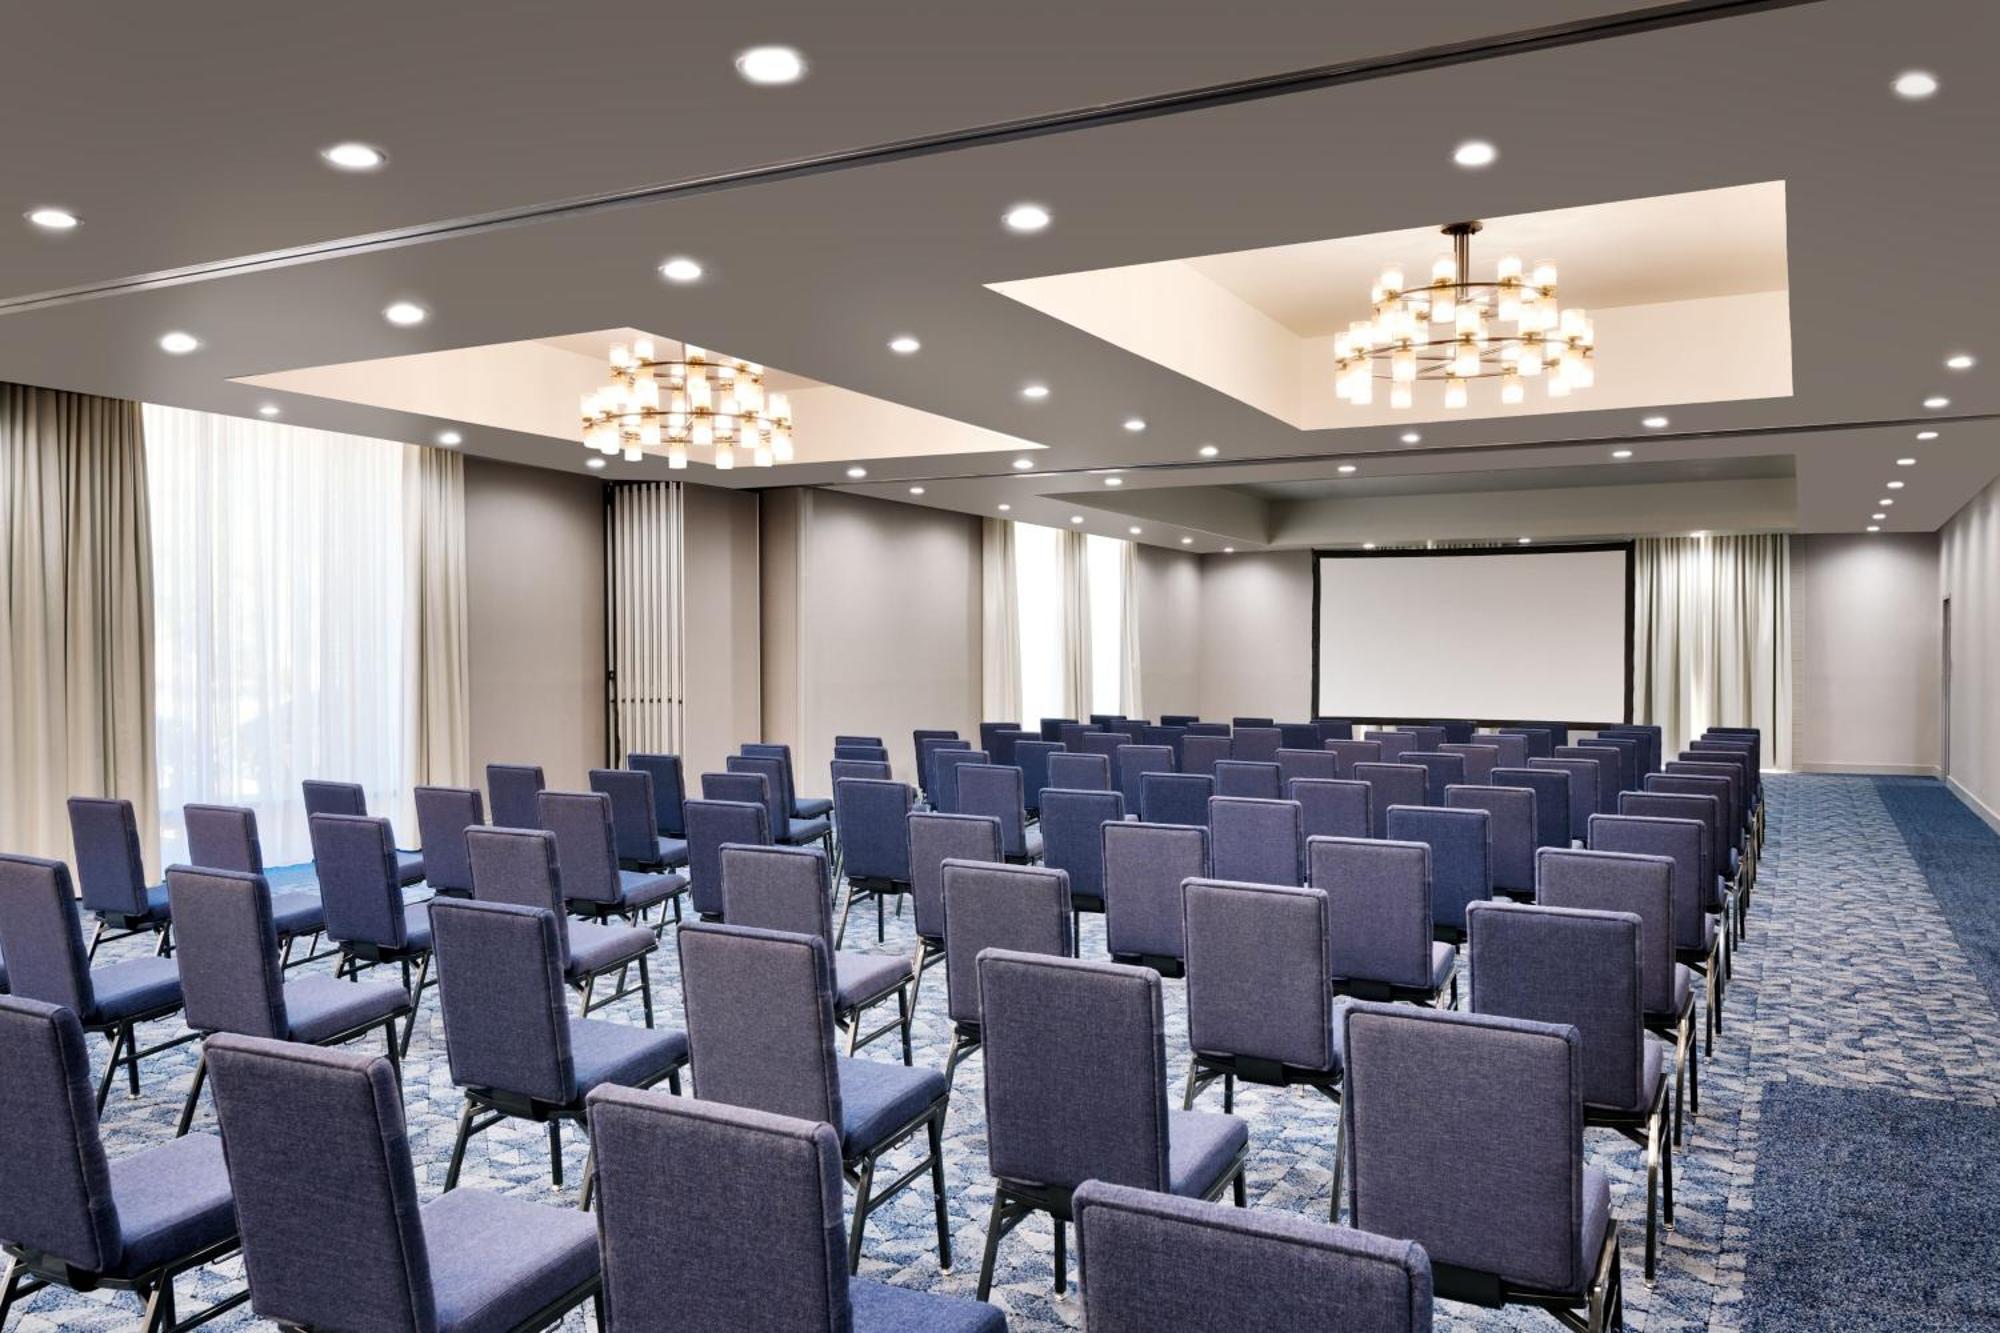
1104, 564
1038, 594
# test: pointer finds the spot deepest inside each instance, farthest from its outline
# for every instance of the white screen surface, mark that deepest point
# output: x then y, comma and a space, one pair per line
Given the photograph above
1532, 634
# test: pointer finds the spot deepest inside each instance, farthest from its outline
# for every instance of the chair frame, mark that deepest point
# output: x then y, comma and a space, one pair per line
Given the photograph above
30, 1271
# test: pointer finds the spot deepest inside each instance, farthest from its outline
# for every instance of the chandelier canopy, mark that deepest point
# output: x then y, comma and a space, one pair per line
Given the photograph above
666, 404
1457, 330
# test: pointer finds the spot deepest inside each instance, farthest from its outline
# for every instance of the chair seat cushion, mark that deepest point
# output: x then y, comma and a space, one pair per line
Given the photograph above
173, 1201
496, 1260
861, 977
638, 890
1683, 992
319, 1007
881, 1308
297, 913
811, 807
409, 868
417, 927
1651, 1071
803, 831
1200, 1147
673, 852
1444, 959
623, 1055
599, 948
877, 1099
139, 986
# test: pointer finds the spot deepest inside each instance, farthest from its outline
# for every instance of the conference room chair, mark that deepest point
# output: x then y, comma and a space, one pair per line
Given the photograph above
349, 798
787, 829
872, 816
594, 885
927, 749
1135, 762
840, 770
989, 906
988, 730
1252, 779
1200, 754
1071, 734
1105, 719
641, 847
1440, 771
1071, 771
799, 807
760, 1016
1175, 798
1106, 743
1144, 867
1395, 743
1429, 735
1649, 740
370, 1254
791, 889
1385, 944
112, 874
1171, 737
1551, 787
1313, 763
1457, 730
513, 789
1332, 807
1237, 723
1734, 765
860, 754
1153, 1261
1256, 745
523, 867
1178, 719
1710, 894
1560, 965
1032, 758
921, 735
1754, 740
1465, 1136
70, 1218
996, 791
41, 936
1391, 784
1697, 939
1298, 736
366, 915
1051, 727
1480, 760
1072, 842
1510, 824
1134, 728
1347, 753
1006, 745
1076, 1090
935, 839
232, 979
750, 1241
1333, 729
224, 837
1725, 833
1461, 843
846, 738
1587, 783
1541, 741
1208, 729
443, 816
669, 791
712, 823
1256, 841
1260, 1003
1742, 751
944, 776
1513, 748
1629, 758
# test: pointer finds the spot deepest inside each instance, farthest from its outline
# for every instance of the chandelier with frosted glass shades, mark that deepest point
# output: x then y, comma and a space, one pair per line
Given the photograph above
661, 402
1453, 330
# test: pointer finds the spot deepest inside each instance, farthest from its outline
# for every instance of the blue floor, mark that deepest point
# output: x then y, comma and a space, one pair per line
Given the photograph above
1960, 859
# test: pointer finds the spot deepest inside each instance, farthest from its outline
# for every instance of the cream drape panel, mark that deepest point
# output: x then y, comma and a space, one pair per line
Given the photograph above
1130, 702
1712, 637
1077, 675
644, 559
1000, 621
76, 613
437, 680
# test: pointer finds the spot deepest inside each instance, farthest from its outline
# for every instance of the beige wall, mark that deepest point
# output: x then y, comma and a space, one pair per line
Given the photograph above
721, 658
534, 557
1865, 629
1969, 574
1256, 636
1167, 589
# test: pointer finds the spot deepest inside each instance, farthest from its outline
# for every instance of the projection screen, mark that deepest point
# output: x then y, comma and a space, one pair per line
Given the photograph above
1489, 635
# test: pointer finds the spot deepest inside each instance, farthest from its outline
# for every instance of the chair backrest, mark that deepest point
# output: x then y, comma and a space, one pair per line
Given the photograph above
710, 824
1541, 741
1251, 722
355, 858
872, 817
519, 866
990, 906
1626, 767
1259, 972
995, 790
1144, 866
934, 839
293, 1118
1298, 736
751, 788
928, 744
1619, 882
1005, 741
1702, 808
1465, 1134
1480, 760
1461, 843
1510, 826
777, 798
1041, 1014
1313, 763
1585, 785
1607, 760
224, 837
511, 790
750, 1240
500, 987
1334, 729
1721, 836
1257, 745
778, 888
1201, 753
1734, 752
1032, 758
1135, 762
1070, 837
1051, 727
1380, 896
1683, 841
226, 948
634, 832
669, 790
1512, 747
1178, 719
41, 935
1552, 800
1349, 752
1395, 742
1333, 807
1253, 779
872, 770
1106, 743
1562, 965
1072, 771
1649, 739
334, 798
55, 1195
1133, 727
1440, 771
1392, 784
1282, 1271
1257, 842
109, 868
1071, 734
1169, 736
1429, 735
443, 816
1175, 798
787, 780
1730, 768
759, 1009
586, 849
988, 730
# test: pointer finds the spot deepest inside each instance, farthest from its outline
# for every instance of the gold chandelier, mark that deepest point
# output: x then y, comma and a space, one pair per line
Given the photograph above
657, 404
1456, 330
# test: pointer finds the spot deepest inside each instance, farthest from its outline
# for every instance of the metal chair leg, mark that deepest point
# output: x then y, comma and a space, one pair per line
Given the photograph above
840, 931
863, 1188
10, 1289
903, 1007
555, 1153
993, 1227
465, 1114
118, 1035
1062, 1258
96, 938
193, 1097
1187, 1097
416, 1002
131, 1060
936, 1132
646, 991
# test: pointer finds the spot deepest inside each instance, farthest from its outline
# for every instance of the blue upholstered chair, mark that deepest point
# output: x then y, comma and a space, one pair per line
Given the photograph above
860, 761
1175, 798
1712, 895
1260, 1003
1334, 729
787, 829
752, 1240
1256, 745
1135, 762
1071, 734
1257, 842
989, 906
934, 839
1348, 752
1178, 719
1236, 722
1457, 730
1075, 771
634, 822
1650, 747
1630, 758
511, 791
1608, 761
1313, 763
69, 1217
365, 912
1430, 735
1562, 965
1072, 842
1461, 843
802, 807
870, 770
1333, 807
1465, 1135
1003, 742
1051, 727
232, 979
1551, 787
1208, 729
872, 817
712, 822
995, 790
350, 798
1076, 1090
1134, 728
1512, 747
924, 742
1586, 781
112, 873
1395, 742
1169, 736
1510, 824
988, 730
1724, 832
443, 816
595, 886
1032, 758
1480, 760
1144, 866
1298, 736
1201, 753
523, 867
1541, 741
1252, 780
760, 1016
508, 1035
1154, 1261
224, 837
368, 1254
1391, 784
1384, 944
1440, 771
791, 889
669, 791
1734, 768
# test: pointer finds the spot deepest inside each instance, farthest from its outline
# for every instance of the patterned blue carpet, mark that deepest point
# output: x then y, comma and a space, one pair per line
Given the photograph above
1829, 1182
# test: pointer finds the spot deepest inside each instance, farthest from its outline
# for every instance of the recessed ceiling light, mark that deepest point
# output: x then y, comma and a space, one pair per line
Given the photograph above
1895, 485
1475, 153
1135, 424
1023, 464
354, 156
1885, 501
1936, 401
406, 313
903, 344
1915, 85
1878, 517
1873, 528
1135, 531
680, 269
1208, 451
1961, 361
1346, 467
178, 343
1026, 217
1411, 437
857, 472
1114, 481
1187, 541
1229, 550
1654, 423
1005, 508
594, 464
1523, 541
1368, 546
916, 490
450, 438
1035, 391
268, 410
1927, 435
770, 65
1906, 462
1076, 518
54, 219
1621, 453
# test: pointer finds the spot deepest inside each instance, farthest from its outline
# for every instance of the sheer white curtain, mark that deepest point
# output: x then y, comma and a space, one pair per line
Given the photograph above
1000, 626
280, 566
1077, 659
1041, 633
437, 666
